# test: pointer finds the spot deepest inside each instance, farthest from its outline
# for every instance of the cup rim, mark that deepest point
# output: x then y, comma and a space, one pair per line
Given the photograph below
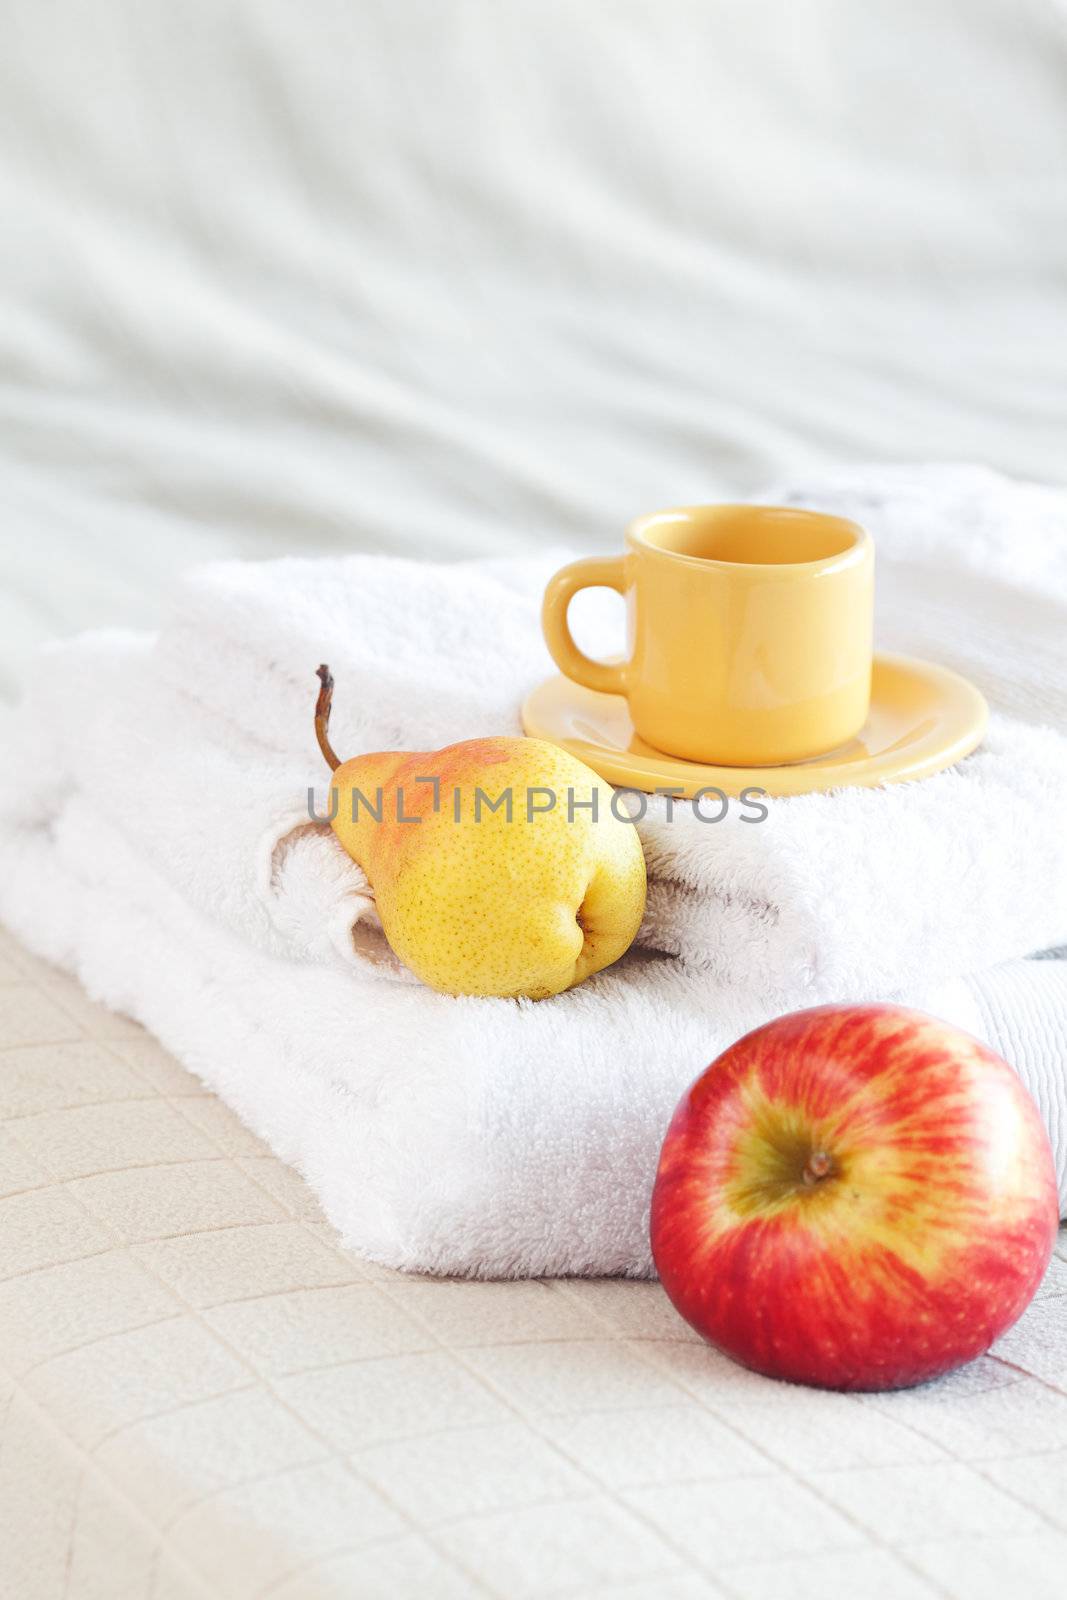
855, 552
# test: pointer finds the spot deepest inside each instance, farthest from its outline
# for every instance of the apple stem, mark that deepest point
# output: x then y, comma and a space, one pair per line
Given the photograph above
322, 717
819, 1165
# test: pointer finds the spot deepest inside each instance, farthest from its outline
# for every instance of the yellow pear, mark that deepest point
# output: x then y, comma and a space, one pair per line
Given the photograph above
499, 866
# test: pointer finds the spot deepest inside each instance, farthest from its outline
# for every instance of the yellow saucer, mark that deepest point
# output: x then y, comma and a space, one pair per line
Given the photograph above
923, 718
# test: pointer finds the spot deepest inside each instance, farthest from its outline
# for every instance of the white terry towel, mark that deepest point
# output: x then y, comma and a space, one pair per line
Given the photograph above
862, 893
147, 840
481, 1137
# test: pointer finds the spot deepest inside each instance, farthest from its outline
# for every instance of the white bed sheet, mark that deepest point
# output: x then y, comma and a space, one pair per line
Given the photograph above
450, 277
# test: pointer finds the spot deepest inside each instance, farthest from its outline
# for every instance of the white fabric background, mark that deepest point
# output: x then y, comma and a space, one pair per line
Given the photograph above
448, 276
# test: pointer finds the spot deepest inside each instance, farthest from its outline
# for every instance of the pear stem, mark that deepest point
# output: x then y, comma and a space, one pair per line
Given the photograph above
322, 717
819, 1166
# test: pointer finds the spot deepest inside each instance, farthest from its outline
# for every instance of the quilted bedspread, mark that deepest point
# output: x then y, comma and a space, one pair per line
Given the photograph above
202, 1395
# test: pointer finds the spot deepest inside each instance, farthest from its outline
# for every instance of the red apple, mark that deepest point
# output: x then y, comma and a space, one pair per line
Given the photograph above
860, 1197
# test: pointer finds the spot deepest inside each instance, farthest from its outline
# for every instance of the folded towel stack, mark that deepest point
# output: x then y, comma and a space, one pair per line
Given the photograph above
154, 837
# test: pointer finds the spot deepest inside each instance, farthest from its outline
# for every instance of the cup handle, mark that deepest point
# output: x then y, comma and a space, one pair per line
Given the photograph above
605, 572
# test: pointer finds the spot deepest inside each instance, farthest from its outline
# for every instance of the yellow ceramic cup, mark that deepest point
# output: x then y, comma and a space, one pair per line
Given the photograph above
749, 627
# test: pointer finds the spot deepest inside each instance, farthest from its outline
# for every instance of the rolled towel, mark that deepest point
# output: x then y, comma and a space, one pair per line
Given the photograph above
845, 894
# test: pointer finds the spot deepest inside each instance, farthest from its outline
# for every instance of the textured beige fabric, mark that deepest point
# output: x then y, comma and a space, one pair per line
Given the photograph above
203, 1396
